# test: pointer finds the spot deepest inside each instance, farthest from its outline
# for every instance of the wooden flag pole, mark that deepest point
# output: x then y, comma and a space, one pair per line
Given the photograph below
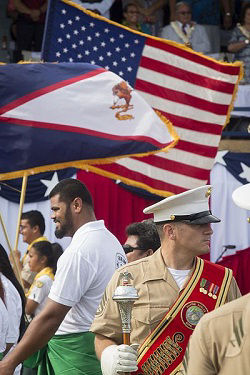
22, 198
14, 265
5, 233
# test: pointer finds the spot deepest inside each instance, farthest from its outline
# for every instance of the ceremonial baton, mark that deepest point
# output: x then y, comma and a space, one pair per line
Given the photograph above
125, 295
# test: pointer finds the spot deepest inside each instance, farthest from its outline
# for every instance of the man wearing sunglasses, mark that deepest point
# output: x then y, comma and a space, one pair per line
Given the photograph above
183, 30
142, 240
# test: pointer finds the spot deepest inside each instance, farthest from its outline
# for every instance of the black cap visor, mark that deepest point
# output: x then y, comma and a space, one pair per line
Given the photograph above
205, 220
204, 217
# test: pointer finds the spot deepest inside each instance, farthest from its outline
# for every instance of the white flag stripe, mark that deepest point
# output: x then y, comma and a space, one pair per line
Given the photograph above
187, 158
160, 174
187, 65
176, 84
195, 137
182, 110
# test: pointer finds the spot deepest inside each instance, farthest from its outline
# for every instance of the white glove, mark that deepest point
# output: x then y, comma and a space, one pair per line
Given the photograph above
122, 358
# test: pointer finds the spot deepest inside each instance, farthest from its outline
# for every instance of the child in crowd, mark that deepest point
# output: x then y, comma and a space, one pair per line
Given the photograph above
43, 260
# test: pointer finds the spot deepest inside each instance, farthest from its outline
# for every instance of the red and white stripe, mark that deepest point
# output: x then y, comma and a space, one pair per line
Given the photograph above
194, 93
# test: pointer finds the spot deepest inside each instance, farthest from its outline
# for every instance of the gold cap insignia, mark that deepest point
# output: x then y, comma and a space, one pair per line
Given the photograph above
172, 217
208, 192
248, 219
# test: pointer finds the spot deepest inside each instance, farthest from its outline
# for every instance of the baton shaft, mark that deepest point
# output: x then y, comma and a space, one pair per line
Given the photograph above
126, 338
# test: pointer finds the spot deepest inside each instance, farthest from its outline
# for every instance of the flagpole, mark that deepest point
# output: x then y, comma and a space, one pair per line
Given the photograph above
5, 233
22, 198
16, 270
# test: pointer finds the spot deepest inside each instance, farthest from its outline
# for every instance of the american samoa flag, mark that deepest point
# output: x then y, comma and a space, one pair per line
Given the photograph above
193, 91
58, 115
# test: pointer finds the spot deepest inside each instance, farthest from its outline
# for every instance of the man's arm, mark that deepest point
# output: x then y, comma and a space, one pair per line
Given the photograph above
21, 7
31, 306
39, 332
228, 16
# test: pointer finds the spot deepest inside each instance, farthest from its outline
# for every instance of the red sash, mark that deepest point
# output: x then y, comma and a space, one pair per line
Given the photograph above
163, 350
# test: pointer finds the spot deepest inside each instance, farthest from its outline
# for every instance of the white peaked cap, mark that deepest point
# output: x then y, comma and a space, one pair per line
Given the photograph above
241, 196
190, 206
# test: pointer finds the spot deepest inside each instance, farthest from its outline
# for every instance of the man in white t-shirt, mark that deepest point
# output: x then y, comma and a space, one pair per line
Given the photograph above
83, 272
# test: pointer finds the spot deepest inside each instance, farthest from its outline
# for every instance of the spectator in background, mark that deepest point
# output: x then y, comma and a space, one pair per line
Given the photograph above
30, 25
142, 240
152, 13
32, 227
239, 43
185, 31
100, 7
12, 300
207, 13
131, 19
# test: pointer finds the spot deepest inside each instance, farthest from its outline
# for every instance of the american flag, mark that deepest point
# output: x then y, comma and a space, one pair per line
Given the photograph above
193, 91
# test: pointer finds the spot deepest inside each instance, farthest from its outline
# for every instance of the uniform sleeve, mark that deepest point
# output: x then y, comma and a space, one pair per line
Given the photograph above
197, 359
40, 290
107, 321
73, 277
233, 292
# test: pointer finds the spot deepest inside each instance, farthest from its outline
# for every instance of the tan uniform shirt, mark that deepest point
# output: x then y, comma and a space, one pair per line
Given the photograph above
157, 292
220, 344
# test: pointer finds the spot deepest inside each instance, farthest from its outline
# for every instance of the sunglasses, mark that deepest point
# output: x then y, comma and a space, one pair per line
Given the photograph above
184, 13
128, 249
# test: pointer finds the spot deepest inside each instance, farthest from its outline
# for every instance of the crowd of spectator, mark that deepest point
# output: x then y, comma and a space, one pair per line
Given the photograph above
207, 26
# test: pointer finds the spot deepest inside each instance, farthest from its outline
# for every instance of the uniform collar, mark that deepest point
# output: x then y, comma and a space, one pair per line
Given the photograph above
39, 239
157, 270
156, 267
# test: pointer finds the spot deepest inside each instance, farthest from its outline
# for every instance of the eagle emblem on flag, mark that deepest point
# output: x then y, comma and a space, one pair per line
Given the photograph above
122, 91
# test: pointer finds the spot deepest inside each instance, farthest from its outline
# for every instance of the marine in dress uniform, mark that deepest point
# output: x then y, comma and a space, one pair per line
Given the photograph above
175, 289
220, 344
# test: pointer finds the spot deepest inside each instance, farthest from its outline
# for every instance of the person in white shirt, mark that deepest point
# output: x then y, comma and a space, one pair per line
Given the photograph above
4, 322
13, 303
183, 30
83, 272
43, 260
102, 7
